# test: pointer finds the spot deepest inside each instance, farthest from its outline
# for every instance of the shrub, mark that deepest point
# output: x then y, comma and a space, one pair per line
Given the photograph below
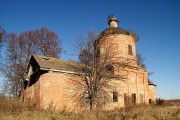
160, 101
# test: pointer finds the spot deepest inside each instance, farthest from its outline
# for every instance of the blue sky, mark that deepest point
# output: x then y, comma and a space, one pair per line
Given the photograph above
157, 23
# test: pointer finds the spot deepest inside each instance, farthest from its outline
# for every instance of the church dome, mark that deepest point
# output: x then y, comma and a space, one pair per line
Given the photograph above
112, 30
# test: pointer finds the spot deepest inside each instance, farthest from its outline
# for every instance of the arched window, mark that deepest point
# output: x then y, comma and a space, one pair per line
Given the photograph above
129, 50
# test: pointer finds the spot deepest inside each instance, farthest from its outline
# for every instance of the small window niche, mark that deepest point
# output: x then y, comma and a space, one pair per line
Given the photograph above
130, 50
141, 98
115, 96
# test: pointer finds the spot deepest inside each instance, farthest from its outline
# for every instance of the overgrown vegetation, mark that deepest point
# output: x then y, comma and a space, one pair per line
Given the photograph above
140, 61
134, 35
15, 110
160, 101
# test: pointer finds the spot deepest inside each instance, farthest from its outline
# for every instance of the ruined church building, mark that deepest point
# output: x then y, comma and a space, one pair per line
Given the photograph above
48, 78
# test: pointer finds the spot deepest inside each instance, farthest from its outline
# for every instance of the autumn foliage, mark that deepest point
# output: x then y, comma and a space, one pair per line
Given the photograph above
18, 50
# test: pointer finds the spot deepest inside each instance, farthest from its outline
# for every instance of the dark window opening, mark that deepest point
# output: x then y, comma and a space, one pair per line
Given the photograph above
110, 69
150, 101
129, 50
115, 97
133, 98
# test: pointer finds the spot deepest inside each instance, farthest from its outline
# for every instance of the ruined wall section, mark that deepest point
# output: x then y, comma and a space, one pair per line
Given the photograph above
135, 83
117, 86
55, 90
32, 93
152, 93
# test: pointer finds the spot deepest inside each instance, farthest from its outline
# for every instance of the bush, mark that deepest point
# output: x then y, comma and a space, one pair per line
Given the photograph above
160, 101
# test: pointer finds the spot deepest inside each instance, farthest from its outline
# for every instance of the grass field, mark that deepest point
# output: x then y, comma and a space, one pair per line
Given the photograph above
167, 110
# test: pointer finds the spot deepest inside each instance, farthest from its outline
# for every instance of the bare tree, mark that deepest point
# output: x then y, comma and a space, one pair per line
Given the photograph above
2, 34
96, 69
134, 35
47, 42
19, 50
10, 67
140, 61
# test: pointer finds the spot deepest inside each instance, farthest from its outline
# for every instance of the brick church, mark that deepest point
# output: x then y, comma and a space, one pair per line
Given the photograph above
48, 81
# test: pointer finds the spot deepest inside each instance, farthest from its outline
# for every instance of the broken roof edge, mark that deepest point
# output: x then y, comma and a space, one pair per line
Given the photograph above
151, 83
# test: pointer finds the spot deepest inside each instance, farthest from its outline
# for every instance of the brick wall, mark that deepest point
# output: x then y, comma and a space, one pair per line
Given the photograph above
152, 93
121, 42
136, 81
32, 93
54, 90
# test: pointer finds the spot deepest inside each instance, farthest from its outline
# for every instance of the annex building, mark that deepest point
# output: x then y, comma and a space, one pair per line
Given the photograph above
49, 79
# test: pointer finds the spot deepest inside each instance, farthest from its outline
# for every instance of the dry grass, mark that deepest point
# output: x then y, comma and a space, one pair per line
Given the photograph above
15, 110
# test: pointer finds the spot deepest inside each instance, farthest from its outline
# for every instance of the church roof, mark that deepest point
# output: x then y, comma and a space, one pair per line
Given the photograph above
51, 63
112, 30
57, 64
